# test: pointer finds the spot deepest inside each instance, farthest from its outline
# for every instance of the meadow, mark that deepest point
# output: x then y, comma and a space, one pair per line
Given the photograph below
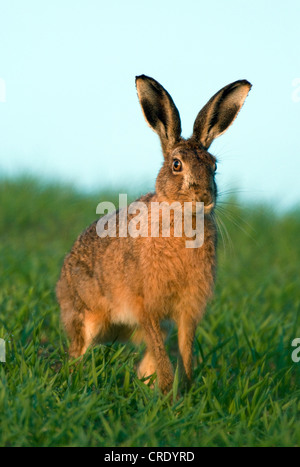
246, 388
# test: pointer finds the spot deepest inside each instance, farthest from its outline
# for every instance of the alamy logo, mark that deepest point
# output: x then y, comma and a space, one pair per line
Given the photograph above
154, 219
2, 350
296, 352
2, 90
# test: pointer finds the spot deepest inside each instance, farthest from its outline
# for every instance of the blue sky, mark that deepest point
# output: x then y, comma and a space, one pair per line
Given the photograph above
71, 111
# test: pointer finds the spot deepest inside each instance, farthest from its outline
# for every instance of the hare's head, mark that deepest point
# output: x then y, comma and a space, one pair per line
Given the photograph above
188, 172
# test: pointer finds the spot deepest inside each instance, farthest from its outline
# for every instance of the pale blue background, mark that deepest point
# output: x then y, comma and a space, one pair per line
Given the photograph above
71, 110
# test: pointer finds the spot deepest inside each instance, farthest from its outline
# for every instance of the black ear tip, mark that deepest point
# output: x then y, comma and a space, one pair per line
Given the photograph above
142, 77
240, 82
246, 83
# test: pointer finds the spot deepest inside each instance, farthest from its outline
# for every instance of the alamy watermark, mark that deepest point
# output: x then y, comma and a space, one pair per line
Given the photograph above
2, 90
153, 219
2, 350
296, 352
296, 91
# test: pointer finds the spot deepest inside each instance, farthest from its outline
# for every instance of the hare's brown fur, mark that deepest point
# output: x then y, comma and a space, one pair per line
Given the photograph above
120, 288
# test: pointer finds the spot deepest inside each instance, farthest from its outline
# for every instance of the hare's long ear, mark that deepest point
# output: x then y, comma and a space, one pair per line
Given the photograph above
219, 112
159, 110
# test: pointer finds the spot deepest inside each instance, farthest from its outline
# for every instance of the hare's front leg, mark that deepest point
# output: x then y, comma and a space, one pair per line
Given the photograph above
147, 365
186, 334
156, 351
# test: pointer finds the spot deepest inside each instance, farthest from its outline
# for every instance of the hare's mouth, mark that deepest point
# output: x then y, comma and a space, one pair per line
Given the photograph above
209, 208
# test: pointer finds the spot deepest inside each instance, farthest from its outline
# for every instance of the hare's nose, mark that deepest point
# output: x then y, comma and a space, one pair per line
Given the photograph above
206, 198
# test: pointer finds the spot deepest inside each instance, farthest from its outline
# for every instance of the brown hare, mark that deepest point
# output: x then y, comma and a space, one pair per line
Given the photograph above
116, 288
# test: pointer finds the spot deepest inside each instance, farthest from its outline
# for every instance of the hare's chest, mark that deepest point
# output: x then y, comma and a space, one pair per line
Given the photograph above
179, 274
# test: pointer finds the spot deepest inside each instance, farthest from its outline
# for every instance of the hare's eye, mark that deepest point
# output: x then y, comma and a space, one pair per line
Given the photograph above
177, 165
216, 166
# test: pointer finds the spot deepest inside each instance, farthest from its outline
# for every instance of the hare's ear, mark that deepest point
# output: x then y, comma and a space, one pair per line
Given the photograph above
159, 110
219, 112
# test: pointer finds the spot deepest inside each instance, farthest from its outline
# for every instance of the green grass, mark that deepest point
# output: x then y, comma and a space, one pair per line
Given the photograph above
246, 388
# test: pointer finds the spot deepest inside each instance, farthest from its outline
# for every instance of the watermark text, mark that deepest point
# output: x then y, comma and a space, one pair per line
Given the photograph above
2, 350
152, 219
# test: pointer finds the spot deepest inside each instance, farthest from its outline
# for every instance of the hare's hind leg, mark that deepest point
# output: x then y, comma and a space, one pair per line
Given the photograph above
73, 321
84, 312
83, 328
